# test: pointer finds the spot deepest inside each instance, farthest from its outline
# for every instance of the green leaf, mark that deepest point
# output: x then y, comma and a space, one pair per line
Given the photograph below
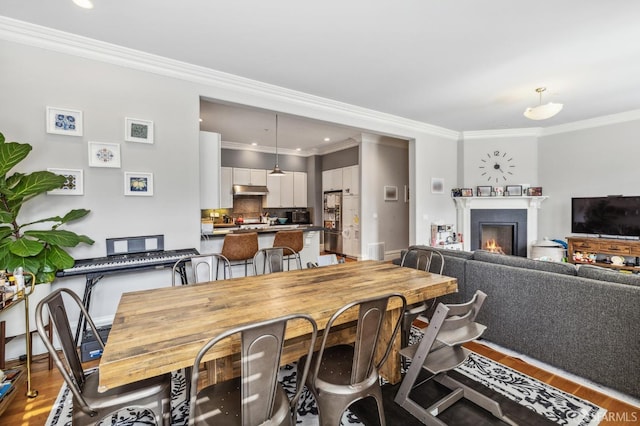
57, 259
74, 215
11, 154
25, 247
55, 237
36, 183
1, 138
5, 231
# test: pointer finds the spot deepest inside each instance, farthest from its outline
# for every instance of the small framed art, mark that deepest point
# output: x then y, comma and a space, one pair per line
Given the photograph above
73, 185
62, 121
535, 191
104, 154
137, 130
138, 183
437, 185
391, 193
466, 192
484, 191
513, 190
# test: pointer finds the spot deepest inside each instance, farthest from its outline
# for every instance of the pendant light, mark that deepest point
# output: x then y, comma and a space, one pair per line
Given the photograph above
542, 112
276, 169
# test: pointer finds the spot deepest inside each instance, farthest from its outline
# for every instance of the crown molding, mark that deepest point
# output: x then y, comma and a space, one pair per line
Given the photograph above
63, 42
605, 120
502, 133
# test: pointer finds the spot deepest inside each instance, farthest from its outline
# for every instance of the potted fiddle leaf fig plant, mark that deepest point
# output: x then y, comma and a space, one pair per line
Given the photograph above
38, 246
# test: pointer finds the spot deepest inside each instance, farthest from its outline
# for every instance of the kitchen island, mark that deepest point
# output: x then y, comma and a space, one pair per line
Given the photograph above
212, 242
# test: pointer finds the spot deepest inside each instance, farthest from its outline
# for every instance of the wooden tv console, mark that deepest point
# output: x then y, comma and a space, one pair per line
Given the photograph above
604, 249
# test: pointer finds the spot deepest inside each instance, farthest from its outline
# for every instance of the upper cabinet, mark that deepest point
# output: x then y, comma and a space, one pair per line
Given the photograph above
299, 189
332, 180
287, 191
226, 187
209, 170
249, 176
351, 180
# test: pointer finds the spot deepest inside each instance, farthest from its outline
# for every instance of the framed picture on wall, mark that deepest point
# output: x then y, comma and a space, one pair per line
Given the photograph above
391, 193
137, 130
73, 185
104, 154
437, 185
138, 183
62, 121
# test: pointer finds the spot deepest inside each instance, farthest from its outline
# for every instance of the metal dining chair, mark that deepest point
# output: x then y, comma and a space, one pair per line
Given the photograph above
271, 258
256, 397
440, 350
293, 240
89, 405
426, 259
200, 268
342, 374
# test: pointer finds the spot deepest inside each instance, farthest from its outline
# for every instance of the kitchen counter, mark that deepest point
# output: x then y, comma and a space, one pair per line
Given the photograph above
228, 228
212, 242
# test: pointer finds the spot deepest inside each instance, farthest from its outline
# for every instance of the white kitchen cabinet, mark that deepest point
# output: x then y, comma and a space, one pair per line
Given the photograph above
226, 187
351, 180
209, 161
299, 189
332, 180
280, 191
242, 176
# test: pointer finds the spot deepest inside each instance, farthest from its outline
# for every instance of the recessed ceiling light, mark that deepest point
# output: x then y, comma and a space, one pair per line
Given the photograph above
298, 149
85, 4
327, 139
200, 120
254, 143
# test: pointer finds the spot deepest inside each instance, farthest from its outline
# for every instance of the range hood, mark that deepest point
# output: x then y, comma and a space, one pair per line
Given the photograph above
250, 190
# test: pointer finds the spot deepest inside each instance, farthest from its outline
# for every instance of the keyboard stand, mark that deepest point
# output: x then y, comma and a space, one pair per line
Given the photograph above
90, 283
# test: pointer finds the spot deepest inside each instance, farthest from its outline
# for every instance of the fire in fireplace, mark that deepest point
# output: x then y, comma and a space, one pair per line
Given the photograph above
499, 230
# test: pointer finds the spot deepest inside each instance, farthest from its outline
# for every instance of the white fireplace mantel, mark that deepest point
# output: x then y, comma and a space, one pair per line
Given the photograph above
464, 205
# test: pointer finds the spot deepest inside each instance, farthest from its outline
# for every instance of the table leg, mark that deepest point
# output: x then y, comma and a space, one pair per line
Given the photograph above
390, 370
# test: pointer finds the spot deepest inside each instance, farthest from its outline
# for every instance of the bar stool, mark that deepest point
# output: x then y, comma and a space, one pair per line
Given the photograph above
240, 248
293, 243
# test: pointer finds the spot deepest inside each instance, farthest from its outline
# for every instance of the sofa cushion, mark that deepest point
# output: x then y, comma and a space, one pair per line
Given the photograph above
605, 274
523, 262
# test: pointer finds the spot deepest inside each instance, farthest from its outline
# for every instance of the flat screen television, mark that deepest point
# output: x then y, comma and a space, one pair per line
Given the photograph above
607, 216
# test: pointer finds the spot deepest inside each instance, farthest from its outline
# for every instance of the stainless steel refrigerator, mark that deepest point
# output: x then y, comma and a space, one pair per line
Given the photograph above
332, 219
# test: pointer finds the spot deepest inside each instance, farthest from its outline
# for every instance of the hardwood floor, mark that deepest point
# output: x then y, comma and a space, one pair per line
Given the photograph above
26, 411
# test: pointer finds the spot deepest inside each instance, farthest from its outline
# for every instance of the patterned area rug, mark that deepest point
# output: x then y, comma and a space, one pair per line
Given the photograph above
555, 405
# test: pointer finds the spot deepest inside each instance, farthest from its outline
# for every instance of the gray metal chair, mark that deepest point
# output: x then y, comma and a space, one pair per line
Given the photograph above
256, 397
440, 351
271, 258
200, 268
343, 374
426, 259
90, 406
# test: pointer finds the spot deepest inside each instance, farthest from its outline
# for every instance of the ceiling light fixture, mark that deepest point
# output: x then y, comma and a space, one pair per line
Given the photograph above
542, 112
276, 169
85, 4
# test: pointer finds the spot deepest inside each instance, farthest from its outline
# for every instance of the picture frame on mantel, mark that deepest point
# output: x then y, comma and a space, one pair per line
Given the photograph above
484, 191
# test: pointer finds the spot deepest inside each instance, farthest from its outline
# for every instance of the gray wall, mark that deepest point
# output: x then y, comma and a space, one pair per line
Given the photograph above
345, 158
262, 160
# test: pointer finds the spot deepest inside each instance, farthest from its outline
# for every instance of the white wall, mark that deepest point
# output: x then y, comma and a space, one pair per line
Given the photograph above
597, 161
167, 93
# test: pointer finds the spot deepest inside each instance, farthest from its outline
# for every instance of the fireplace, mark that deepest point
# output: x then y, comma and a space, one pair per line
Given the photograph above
519, 215
499, 230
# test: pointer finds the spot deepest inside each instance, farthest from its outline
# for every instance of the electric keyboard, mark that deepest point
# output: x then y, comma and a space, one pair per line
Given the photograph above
126, 262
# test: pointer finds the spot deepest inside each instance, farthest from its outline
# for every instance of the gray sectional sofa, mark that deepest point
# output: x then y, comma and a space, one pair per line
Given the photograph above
584, 320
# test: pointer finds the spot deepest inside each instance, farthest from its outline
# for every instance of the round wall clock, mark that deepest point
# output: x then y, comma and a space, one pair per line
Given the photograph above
496, 166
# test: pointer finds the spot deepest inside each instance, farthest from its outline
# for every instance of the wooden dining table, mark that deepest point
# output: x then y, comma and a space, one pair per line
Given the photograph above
161, 330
